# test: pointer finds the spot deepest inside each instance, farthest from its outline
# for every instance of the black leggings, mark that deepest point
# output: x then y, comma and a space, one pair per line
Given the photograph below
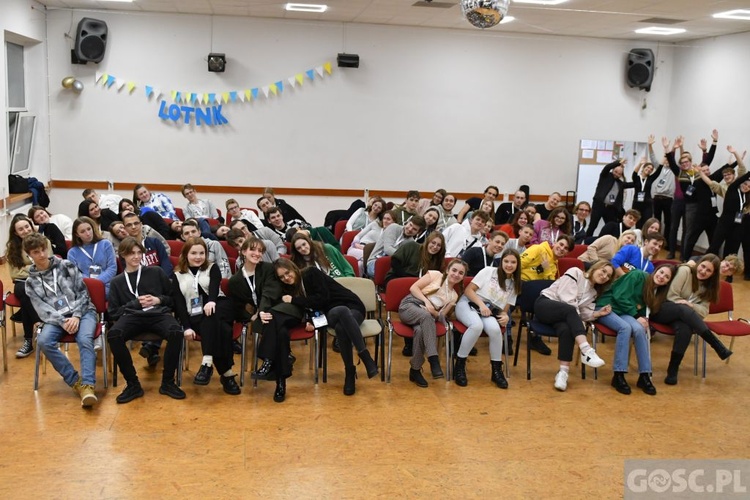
346, 322
685, 322
566, 321
216, 334
274, 341
28, 313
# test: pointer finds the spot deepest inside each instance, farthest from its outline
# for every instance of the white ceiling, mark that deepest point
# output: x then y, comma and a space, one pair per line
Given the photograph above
591, 18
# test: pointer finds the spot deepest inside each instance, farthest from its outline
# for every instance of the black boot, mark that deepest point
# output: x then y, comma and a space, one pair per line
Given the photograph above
408, 347
264, 371
644, 383
230, 385
459, 373
437, 372
673, 368
416, 377
351, 375
370, 365
497, 374
509, 340
280, 393
620, 384
721, 350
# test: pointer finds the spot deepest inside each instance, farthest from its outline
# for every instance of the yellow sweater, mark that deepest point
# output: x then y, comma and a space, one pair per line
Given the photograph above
531, 263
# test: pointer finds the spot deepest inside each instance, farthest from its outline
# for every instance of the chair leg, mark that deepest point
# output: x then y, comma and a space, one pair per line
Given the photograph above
5, 345
731, 346
256, 340
390, 355
37, 357
315, 345
243, 359
105, 355
324, 354
528, 353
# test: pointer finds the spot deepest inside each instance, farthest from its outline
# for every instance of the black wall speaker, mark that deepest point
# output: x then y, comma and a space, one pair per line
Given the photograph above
640, 68
348, 60
91, 40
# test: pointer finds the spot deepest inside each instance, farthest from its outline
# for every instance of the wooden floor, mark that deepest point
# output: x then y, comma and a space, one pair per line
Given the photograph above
389, 440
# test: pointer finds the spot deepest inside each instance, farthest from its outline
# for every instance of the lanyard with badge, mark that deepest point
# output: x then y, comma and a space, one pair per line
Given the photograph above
94, 270
738, 215
196, 303
691, 188
61, 303
137, 282
640, 195
251, 283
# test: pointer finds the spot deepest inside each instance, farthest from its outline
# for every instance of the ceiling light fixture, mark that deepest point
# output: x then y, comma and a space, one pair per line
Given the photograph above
541, 2
305, 7
484, 13
742, 14
655, 30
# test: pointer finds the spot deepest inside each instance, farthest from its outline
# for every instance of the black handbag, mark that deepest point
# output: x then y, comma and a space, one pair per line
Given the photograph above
17, 184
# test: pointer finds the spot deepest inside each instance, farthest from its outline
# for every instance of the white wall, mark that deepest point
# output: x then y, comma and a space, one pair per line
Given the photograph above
427, 108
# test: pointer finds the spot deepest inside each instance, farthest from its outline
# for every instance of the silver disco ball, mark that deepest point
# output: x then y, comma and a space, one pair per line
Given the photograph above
484, 13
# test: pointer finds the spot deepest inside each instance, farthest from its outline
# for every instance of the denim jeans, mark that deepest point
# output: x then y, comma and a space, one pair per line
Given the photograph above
627, 327
475, 324
50, 336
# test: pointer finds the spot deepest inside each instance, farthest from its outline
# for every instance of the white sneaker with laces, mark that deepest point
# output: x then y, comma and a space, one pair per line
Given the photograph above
592, 359
561, 380
98, 343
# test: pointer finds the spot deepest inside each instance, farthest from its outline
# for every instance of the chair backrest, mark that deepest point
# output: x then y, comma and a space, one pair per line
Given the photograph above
175, 247
68, 244
232, 264
354, 263
180, 213
530, 291
657, 262
346, 240
577, 250
364, 289
229, 249
567, 262
174, 260
97, 294
225, 286
397, 289
726, 300
382, 266
339, 228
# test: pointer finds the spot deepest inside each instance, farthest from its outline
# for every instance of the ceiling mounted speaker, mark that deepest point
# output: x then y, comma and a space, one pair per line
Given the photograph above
640, 68
91, 40
348, 60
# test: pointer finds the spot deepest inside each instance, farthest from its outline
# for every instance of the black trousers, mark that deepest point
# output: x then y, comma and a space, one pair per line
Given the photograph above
274, 341
565, 319
646, 209
130, 325
698, 219
599, 211
28, 313
678, 214
685, 322
663, 206
216, 334
346, 323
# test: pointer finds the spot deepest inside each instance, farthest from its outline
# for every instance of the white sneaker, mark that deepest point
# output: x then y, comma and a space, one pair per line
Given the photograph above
98, 343
561, 380
592, 359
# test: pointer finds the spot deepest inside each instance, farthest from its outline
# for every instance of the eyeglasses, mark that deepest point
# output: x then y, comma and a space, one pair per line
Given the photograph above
132, 224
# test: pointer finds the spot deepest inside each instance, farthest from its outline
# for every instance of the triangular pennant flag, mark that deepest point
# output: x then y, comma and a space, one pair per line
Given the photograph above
255, 93
280, 86
173, 93
211, 98
193, 97
120, 84
327, 67
217, 98
131, 86
319, 70
225, 96
273, 89
158, 93
105, 78
233, 96
310, 74
248, 96
98, 77
110, 80
265, 90
149, 90
291, 81
300, 78
205, 99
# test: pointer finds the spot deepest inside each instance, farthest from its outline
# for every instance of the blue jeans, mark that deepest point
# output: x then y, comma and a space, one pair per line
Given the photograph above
627, 327
48, 340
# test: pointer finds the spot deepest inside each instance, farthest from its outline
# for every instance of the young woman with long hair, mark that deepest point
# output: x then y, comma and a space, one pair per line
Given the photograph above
103, 217
42, 216
93, 256
366, 215
566, 305
313, 289
203, 309
520, 219
414, 259
306, 253
430, 299
631, 297
484, 306
690, 294
549, 230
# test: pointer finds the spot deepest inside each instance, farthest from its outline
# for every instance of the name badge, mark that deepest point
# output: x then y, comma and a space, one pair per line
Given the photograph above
319, 320
661, 183
94, 271
62, 305
612, 199
713, 201
738, 218
690, 190
196, 306
641, 197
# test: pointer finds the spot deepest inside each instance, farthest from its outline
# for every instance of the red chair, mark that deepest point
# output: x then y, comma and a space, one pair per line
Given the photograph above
174, 260
576, 251
180, 213
297, 333
729, 327
175, 247
657, 262
382, 266
239, 332
12, 302
229, 216
605, 331
668, 330
99, 299
229, 249
339, 229
346, 240
397, 289
565, 263
68, 244
354, 263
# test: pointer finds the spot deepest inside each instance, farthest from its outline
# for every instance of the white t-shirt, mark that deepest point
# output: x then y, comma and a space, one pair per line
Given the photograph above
489, 288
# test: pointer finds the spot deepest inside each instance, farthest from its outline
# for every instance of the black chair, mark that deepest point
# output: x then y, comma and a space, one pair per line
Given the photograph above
530, 291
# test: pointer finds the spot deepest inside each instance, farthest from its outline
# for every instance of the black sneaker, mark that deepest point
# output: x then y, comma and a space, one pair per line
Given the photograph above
26, 349
17, 317
169, 388
230, 385
203, 377
151, 354
131, 392
539, 346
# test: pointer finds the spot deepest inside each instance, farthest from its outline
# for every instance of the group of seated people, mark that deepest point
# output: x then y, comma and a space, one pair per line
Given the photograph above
124, 244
